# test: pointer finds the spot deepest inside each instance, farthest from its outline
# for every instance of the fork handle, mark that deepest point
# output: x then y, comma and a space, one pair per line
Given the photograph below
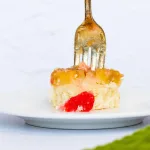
88, 11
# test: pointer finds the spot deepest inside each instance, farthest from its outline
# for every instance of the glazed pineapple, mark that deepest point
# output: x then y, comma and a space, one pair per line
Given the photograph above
81, 89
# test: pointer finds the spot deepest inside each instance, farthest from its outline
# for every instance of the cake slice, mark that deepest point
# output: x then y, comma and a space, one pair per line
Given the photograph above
79, 88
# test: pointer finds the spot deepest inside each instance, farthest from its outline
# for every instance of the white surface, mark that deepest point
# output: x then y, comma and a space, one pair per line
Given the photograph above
33, 32
33, 105
14, 134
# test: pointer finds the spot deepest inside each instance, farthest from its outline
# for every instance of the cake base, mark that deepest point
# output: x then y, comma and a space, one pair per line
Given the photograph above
106, 96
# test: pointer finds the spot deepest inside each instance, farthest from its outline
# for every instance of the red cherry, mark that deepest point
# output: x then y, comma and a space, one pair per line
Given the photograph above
71, 105
83, 101
86, 101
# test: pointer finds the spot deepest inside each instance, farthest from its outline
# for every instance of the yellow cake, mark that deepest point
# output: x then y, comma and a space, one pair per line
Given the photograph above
102, 83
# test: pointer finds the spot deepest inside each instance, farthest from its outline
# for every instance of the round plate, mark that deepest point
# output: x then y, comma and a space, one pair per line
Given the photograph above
34, 107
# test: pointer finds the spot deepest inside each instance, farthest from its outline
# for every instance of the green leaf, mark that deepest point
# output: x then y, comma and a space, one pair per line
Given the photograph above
139, 140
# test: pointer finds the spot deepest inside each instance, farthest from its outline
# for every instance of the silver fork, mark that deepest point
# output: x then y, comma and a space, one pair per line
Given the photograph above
90, 41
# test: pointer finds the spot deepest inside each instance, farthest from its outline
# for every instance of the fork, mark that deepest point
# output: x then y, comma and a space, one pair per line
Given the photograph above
90, 41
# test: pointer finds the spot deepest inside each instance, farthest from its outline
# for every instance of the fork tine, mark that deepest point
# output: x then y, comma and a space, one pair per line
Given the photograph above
93, 59
76, 58
101, 60
85, 57
98, 57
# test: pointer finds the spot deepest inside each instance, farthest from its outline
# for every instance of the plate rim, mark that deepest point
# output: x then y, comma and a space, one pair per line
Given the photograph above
84, 116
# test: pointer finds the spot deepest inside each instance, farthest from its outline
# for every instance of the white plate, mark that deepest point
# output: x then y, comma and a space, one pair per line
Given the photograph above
33, 106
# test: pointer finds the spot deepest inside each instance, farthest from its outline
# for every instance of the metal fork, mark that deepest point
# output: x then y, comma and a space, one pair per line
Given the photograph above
90, 41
